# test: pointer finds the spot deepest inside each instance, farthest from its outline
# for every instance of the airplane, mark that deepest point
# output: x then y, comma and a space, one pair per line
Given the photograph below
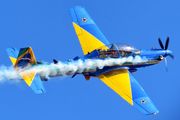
96, 48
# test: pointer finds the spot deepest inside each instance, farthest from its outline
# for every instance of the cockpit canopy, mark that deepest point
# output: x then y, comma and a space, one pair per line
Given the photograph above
117, 50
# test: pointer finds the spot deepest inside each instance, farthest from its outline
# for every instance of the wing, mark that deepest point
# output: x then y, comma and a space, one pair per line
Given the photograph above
90, 36
124, 84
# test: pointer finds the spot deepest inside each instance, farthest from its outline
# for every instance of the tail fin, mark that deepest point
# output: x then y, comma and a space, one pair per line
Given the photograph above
25, 59
22, 60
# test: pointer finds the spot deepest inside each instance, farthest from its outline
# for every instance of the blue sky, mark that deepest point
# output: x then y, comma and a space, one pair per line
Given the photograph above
46, 26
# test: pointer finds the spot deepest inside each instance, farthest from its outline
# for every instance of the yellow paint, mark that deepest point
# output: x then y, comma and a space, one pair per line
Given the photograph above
88, 41
13, 60
32, 60
119, 81
28, 76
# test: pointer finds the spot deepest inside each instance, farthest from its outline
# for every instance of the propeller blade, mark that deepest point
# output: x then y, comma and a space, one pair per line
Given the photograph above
167, 43
160, 43
166, 64
172, 56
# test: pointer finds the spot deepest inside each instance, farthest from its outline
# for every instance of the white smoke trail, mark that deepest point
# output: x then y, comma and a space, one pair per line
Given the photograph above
88, 65
66, 68
8, 73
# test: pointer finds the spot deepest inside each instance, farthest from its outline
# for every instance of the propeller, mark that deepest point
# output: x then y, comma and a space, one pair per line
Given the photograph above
165, 48
172, 56
160, 43
166, 45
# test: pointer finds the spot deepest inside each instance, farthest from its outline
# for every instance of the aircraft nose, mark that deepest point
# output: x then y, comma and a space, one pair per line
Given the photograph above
168, 52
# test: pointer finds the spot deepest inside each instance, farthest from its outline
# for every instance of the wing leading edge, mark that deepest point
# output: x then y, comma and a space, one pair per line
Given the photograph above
124, 84
90, 36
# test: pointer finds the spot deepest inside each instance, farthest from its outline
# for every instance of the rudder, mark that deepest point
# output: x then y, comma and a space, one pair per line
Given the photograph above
25, 59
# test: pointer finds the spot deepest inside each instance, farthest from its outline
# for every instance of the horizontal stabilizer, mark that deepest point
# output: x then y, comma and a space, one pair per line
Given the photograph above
34, 81
13, 54
37, 85
22, 60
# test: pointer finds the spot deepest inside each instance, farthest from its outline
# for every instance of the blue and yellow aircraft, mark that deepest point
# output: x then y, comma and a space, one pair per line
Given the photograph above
95, 46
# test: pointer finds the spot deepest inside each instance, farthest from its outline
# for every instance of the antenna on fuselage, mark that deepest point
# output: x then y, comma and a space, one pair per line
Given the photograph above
55, 61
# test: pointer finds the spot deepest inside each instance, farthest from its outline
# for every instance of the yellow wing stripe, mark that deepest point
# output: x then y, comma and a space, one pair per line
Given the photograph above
119, 81
28, 77
88, 42
13, 60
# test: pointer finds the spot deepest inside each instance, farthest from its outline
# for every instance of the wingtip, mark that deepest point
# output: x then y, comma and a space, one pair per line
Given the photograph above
153, 113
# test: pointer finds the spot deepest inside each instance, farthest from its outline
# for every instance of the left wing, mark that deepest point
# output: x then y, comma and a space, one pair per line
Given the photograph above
124, 84
90, 36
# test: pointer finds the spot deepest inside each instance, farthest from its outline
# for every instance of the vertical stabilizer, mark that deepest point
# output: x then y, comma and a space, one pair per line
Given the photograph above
25, 59
22, 60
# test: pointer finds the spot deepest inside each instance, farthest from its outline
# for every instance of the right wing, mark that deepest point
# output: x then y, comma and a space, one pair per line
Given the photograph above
90, 36
124, 84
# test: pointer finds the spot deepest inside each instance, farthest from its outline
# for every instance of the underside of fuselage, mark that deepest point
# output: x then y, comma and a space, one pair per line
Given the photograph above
93, 71
131, 66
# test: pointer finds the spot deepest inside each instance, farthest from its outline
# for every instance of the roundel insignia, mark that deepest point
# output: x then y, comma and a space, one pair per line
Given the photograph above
84, 19
143, 101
